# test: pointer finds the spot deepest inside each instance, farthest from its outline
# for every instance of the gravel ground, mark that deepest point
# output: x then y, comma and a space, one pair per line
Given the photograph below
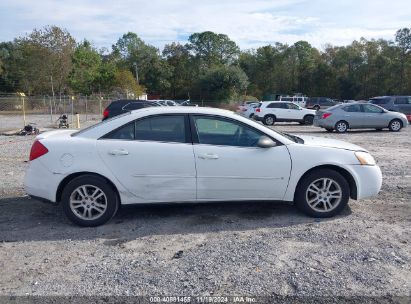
213, 249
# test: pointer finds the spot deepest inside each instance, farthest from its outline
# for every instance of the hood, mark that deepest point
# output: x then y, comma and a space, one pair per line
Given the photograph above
330, 143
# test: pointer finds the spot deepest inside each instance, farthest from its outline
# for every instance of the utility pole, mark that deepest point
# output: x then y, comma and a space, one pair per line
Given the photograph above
135, 67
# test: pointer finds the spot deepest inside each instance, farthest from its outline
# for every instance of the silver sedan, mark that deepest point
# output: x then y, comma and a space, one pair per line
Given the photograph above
359, 116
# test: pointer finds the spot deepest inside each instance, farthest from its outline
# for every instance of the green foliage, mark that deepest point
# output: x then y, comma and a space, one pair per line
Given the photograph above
210, 66
84, 76
223, 83
126, 84
213, 49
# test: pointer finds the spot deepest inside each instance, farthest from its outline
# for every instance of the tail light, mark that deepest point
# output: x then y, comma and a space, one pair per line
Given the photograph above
325, 115
258, 110
105, 113
37, 150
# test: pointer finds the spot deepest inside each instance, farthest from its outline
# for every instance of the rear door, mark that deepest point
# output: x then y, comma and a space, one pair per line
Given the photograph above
229, 164
279, 109
354, 115
152, 158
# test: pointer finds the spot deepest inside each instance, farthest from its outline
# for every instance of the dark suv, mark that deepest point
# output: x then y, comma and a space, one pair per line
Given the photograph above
118, 107
394, 103
317, 103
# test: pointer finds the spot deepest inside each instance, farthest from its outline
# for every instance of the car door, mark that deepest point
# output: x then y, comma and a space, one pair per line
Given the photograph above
152, 158
403, 104
279, 109
229, 164
354, 115
293, 112
374, 117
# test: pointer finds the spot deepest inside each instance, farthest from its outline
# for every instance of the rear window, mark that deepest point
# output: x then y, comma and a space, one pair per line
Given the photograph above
352, 108
379, 101
276, 105
286, 99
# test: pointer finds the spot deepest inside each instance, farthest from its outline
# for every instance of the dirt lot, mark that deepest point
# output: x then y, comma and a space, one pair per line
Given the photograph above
213, 249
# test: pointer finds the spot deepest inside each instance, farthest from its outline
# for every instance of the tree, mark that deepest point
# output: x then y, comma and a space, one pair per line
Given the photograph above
213, 49
403, 40
223, 83
86, 69
178, 57
153, 72
126, 84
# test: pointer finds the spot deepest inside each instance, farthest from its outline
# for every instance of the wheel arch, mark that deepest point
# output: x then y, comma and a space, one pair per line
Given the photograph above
346, 174
72, 176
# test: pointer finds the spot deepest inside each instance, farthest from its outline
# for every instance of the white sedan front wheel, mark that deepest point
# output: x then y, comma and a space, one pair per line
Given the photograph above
322, 193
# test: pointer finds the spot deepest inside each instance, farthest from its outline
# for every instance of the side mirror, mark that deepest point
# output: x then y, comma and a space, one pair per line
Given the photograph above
266, 142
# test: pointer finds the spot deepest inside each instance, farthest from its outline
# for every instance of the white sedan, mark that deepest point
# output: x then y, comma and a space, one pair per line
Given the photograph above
184, 154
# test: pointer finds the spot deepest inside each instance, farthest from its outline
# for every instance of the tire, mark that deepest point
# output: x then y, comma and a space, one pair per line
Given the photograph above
80, 206
308, 119
269, 120
329, 130
395, 125
326, 203
341, 126
251, 115
316, 107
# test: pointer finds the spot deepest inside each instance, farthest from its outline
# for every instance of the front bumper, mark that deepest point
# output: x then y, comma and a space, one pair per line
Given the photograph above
257, 118
367, 178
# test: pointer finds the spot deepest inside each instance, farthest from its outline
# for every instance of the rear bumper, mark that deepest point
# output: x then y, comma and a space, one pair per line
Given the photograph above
41, 183
323, 123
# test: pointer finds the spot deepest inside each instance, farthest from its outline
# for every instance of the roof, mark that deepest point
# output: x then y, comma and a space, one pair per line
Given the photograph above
180, 109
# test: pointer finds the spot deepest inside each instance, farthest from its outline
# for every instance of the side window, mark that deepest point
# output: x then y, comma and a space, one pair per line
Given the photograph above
299, 99
292, 106
403, 100
371, 109
125, 132
164, 128
224, 132
274, 105
352, 108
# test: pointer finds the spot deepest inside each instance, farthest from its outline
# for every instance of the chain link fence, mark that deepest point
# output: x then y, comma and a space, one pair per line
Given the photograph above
44, 111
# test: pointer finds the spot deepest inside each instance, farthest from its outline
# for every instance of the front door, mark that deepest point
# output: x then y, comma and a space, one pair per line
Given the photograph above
229, 164
152, 158
374, 117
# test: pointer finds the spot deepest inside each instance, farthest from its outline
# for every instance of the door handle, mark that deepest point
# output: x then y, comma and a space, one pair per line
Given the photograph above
208, 156
118, 152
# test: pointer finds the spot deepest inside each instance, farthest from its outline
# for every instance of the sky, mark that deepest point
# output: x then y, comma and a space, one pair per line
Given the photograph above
249, 23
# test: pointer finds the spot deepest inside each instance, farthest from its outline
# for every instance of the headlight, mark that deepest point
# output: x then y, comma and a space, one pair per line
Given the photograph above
365, 158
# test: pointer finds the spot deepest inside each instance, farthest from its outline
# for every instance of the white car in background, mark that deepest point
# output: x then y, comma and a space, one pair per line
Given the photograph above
299, 100
193, 154
248, 109
270, 112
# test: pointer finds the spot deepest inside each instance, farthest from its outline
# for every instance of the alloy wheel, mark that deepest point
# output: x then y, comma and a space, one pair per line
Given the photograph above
323, 194
395, 125
88, 202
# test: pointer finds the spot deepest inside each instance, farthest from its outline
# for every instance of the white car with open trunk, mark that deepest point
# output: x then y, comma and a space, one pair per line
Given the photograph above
188, 154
